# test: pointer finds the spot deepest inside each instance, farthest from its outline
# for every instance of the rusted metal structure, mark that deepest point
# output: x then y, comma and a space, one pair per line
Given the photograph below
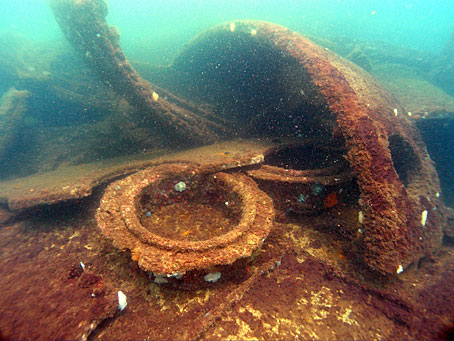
150, 215
330, 144
97, 43
314, 94
277, 83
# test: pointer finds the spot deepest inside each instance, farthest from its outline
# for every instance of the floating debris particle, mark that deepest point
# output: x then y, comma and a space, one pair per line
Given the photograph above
400, 269
253, 32
82, 265
395, 112
155, 96
232, 27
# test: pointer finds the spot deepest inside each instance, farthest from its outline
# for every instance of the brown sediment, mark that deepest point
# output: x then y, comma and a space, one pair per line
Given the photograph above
122, 217
85, 27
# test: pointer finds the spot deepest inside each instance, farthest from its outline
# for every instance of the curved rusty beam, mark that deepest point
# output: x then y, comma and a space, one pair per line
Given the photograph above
329, 98
84, 25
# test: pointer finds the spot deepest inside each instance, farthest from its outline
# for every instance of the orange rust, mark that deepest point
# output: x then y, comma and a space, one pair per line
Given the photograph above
331, 200
357, 110
121, 217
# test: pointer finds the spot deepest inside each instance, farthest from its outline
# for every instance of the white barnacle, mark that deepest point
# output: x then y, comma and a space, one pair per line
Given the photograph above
154, 96
232, 27
212, 277
360, 217
176, 275
423, 217
257, 159
180, 187
122, 303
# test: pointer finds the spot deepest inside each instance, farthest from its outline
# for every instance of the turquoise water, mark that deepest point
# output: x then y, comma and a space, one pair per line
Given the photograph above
157, 29
154, 31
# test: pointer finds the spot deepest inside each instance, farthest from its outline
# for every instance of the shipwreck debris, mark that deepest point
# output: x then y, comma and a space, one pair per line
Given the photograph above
97, 43
218, 220
309, 92
275, 82
301, 184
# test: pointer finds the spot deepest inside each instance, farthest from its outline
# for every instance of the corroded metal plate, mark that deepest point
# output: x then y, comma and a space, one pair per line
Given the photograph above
121, 208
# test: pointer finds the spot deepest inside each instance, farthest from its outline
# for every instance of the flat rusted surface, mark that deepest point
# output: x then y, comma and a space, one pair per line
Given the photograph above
74, 182
46, 294
305, 283
122, 218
